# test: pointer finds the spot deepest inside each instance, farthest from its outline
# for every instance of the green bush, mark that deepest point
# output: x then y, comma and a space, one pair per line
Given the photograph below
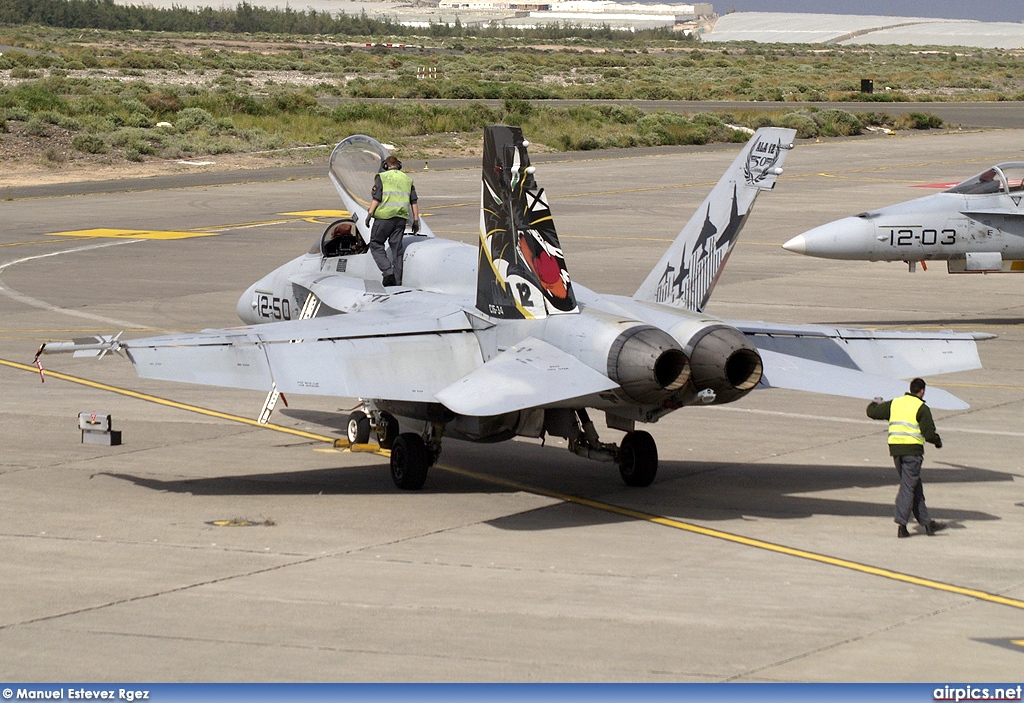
34, 96
137, 119
36, 128
192, 118
838, 123
54, 155
89, 144
515, 110
16, 114
918, 120
805, 127
134, 105
20, 72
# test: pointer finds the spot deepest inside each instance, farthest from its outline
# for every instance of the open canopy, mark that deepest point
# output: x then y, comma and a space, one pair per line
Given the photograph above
1003, 178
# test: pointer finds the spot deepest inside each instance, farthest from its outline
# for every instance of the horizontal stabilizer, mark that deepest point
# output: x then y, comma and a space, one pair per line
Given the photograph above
794, 373
530, 374
879, 352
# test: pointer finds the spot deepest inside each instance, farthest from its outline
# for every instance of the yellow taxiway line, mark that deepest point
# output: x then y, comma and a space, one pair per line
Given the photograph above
173, 403
576, 500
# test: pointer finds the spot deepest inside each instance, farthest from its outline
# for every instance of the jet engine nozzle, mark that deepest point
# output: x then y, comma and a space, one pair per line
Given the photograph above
725, 361
648, 364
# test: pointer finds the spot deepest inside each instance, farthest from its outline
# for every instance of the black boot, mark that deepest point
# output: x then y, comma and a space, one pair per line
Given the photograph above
932, 527
389, 280
902, 532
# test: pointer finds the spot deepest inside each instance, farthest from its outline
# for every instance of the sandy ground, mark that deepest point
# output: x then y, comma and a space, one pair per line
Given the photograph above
29, 174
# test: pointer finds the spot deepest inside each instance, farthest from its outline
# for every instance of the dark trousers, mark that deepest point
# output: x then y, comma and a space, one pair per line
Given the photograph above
391, 231
910, 499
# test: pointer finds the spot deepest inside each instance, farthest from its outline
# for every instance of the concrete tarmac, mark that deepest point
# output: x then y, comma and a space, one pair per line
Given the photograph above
764, 551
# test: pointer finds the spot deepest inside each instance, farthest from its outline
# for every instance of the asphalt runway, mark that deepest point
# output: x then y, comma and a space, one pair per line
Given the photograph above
764, 551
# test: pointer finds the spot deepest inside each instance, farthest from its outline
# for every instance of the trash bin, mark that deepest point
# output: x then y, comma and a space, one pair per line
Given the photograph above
867, 85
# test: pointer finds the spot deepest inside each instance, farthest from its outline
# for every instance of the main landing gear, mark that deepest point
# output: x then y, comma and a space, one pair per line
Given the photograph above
638, 459
411, 454
636, 455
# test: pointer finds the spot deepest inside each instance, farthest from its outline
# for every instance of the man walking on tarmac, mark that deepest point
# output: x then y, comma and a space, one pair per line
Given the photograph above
393, 199
910, 426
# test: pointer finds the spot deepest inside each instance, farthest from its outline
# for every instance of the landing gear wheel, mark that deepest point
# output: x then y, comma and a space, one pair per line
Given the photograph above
358, 428
410, 460
387, 430
638, 459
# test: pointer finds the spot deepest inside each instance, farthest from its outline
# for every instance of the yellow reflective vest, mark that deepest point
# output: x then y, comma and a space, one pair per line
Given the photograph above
903, 426
396, 190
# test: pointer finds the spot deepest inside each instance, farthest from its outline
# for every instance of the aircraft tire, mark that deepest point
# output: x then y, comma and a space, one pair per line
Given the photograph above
410, 460
387, 430
358, 428
638, 459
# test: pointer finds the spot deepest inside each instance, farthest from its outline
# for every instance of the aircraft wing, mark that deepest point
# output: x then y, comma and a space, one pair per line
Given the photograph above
408, 350
530, 374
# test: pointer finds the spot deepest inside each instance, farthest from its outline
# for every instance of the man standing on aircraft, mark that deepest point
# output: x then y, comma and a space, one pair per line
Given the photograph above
910, 425
393, 198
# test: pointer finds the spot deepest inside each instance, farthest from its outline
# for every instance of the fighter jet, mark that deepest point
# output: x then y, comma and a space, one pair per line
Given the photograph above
496, 341
976, 227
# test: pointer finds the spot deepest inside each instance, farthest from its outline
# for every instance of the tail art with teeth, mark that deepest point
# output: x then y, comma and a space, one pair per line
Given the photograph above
522, 273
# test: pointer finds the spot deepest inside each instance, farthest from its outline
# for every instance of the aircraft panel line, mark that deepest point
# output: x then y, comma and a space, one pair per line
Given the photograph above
577, 500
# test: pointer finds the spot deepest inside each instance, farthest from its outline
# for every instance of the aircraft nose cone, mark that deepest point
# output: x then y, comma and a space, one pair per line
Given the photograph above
848, 238
797, 245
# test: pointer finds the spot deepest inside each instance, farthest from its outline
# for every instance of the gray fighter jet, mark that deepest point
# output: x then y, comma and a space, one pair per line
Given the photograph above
492, 342
976, 227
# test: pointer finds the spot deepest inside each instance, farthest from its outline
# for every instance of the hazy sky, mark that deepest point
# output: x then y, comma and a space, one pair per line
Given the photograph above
987, 10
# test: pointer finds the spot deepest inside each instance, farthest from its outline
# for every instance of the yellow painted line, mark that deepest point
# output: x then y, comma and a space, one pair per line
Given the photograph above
577, 500
38, 241
1019, 643
981, 385
318, 213
173, 403
105, 330
748, 541
105, 233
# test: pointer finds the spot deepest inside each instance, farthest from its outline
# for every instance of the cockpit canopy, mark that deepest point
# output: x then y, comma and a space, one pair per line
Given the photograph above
354, 163
341, 238
1002, 178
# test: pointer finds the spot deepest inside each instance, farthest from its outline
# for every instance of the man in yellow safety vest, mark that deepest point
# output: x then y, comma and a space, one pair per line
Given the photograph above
910, 426
393, 201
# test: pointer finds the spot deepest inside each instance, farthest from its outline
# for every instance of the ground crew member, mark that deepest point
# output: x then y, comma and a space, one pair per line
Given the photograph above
393, 201
910, 426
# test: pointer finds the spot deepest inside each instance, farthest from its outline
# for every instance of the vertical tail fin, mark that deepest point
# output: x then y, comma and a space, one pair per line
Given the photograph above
688, 271
521, 272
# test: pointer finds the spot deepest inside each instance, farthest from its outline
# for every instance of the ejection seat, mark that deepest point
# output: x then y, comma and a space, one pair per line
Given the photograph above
341, 238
